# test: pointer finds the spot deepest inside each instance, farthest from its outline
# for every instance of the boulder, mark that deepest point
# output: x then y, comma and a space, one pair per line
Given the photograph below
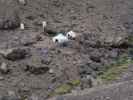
15, 53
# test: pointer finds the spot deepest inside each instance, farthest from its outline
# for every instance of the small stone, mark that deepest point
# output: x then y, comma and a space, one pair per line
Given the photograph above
5, 52
118, 40
4, 68
23, 2
94, 82
21, 26
1, 78
51, 71
44, 25
95, 58
108, 98
109, 40
85, 83
11, 93
38, 38
114, 54
88, 82
34, 97
85, 69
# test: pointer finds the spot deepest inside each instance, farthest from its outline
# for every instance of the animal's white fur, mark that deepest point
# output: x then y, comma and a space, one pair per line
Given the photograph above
71, 35
60, 38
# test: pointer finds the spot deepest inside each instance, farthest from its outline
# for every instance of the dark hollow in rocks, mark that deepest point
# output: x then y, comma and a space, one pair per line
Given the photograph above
17, 54
36, 70
50, 32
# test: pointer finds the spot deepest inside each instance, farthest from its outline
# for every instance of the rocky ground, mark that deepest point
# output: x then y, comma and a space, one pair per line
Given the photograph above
32, 66
117, 91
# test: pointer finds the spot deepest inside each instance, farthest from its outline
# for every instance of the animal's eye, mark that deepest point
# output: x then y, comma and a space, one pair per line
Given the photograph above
69, 35
56, 40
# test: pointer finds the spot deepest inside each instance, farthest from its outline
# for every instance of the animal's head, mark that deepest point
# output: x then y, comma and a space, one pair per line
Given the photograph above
71, 35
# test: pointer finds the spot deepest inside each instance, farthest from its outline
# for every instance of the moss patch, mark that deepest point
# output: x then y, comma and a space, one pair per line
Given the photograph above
116, 69
74, 83
130, 39
65, 88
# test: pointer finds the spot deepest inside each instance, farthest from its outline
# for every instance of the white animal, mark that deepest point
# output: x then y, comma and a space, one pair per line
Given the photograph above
71, 35
22, 26
60, 38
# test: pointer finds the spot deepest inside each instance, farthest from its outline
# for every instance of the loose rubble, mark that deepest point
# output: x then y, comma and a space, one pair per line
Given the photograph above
40, 59
37, 69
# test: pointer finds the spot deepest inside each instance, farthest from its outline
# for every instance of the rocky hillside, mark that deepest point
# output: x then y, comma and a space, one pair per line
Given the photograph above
33, 67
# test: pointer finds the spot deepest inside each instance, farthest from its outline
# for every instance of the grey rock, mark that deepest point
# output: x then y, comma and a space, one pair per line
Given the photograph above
1, 78
22, 2
36, 69
89, 69
86, 83
16, 54
96, 56
95, 66
34, 97
4, 68
11, 93
51, 71
89, 82
84, 70
114, 53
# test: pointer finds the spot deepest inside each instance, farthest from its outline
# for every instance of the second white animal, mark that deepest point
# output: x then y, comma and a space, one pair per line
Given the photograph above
71, 35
